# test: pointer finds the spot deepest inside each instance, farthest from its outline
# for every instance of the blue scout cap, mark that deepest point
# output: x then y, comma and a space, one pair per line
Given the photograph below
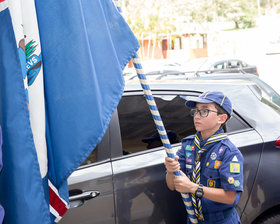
211, 97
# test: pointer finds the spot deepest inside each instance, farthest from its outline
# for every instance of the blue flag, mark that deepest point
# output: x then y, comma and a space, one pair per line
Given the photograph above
21, 190
85, 46
2, 212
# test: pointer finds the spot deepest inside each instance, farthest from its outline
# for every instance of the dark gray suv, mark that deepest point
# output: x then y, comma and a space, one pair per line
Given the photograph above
123, 180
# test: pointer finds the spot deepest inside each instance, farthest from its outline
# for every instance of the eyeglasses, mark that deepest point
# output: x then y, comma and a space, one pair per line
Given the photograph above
202, 113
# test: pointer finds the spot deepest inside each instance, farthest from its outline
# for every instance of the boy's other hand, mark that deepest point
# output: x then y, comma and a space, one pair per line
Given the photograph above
184, 185
172, 165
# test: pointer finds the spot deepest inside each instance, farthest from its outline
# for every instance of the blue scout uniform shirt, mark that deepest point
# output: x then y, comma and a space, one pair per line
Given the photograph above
221, 167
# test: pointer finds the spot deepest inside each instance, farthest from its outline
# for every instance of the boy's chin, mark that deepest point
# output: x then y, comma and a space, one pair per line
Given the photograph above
198, 128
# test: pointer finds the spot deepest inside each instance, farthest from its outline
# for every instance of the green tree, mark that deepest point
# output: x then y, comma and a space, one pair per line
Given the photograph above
241, 12
163, 16
146, 17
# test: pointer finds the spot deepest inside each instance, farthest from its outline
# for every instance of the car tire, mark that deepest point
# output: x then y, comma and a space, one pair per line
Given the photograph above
270, 219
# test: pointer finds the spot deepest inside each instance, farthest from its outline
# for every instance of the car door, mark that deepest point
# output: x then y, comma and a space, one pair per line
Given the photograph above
141, 195
91, 189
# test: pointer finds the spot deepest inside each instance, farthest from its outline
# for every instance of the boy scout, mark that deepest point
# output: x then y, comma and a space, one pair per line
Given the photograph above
211, 165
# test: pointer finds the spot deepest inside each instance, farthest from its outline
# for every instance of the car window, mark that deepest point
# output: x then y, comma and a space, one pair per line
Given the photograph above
235, 123
233, 64
101, 152
92, 158
271, 94
221, 65
267, 94
138, 131
244, 64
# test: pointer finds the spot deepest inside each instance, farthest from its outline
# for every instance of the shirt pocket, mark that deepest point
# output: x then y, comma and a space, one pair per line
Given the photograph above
212, 178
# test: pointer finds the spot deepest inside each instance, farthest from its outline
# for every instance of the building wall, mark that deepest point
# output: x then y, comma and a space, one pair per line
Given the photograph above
189, 45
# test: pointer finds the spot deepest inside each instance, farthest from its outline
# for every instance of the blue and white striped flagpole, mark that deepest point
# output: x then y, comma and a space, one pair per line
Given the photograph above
161, 130
159, 124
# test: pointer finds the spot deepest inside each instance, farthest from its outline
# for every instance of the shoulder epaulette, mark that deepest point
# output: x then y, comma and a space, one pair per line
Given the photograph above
229, 145
190, 137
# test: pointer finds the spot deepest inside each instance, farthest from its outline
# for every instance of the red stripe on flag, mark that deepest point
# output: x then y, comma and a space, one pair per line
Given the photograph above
2, 1
56, 203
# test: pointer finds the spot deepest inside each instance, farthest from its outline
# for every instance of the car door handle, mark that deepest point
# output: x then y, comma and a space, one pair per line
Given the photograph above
87, 195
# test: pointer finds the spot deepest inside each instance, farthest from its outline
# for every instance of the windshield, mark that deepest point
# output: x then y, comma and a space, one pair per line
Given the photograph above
268, 95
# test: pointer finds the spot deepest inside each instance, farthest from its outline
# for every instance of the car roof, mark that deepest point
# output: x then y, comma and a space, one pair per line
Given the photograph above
220, 75
189, 85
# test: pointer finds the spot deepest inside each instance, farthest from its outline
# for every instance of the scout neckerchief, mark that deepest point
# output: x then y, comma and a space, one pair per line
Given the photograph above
218, 136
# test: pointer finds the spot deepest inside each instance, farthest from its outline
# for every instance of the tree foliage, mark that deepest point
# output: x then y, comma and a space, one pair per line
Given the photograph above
147, 17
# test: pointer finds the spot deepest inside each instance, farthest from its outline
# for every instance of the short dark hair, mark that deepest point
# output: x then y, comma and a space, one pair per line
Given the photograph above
222, 111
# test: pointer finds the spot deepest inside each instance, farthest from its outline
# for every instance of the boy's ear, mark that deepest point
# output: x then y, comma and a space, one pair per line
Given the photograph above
222, 118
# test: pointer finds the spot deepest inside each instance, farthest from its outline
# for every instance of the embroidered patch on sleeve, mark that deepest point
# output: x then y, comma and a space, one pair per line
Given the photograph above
235, 167
231, 180
236, 183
